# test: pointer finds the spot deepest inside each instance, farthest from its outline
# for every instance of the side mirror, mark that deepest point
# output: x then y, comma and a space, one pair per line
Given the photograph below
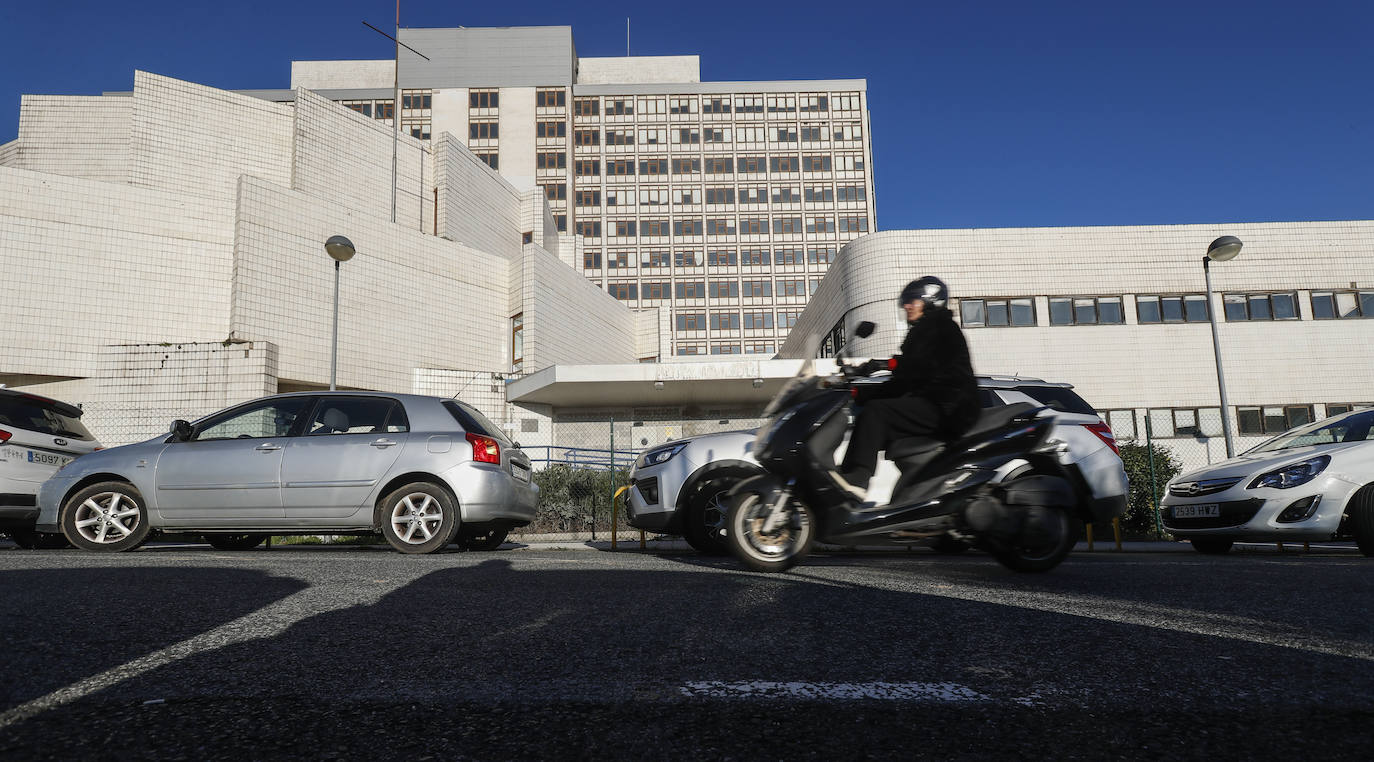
864, 330
181, 431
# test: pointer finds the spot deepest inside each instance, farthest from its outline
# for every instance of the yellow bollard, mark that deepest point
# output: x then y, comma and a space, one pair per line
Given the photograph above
1088, 529
1116, 529
1306, 547
615, 510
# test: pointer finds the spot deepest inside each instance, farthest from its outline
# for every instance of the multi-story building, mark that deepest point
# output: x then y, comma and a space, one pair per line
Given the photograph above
723, 202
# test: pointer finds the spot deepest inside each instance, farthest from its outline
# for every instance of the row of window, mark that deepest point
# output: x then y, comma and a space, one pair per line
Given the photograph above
733, 321
689, 349
806, 133
725, 226
716, 289
711, 196
819, 255
1150, 308
709, 165
685, 105
1205, 422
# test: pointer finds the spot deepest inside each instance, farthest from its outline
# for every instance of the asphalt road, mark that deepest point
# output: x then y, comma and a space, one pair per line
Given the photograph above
359, 653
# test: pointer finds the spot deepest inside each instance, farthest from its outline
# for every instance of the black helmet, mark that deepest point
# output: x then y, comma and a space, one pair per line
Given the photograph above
929, 289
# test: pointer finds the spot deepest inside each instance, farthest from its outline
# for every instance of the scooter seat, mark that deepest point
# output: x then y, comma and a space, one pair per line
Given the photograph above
911, 446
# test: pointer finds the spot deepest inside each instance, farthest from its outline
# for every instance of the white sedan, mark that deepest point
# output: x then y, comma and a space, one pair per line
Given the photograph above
1312, 483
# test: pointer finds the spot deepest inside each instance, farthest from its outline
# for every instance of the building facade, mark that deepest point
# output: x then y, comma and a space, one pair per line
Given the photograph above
723, 203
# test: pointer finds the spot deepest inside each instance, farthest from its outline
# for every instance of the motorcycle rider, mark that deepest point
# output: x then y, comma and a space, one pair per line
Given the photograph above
932, 391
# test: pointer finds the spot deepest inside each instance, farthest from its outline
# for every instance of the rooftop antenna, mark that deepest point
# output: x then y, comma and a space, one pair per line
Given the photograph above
396, 99
627, 36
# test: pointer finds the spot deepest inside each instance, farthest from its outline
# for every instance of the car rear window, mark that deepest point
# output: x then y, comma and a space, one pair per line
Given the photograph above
473, 422
40, 416
1058, 398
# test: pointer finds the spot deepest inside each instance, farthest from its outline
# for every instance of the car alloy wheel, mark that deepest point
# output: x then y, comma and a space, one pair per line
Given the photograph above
419, 518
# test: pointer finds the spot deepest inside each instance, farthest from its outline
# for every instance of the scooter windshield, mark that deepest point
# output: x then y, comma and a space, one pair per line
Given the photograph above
802, 380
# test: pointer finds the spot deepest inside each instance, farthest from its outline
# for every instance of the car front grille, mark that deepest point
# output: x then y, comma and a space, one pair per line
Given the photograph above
1203, 487
1233, 514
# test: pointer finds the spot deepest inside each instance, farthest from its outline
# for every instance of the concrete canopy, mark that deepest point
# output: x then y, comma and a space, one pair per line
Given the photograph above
684, 383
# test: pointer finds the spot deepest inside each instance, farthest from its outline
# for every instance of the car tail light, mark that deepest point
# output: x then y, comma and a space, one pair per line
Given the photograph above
4, 436
485, 449
891, 363
1104, 432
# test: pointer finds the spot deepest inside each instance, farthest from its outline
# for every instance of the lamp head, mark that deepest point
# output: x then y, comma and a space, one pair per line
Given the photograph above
340, 248
1224, 248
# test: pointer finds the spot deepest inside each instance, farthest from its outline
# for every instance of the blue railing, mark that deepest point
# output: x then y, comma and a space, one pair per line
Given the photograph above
580, 457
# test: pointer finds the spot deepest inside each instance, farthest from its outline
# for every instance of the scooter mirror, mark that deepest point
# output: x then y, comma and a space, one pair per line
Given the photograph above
864, 329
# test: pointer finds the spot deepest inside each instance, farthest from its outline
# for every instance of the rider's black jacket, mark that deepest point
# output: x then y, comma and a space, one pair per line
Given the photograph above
934, 364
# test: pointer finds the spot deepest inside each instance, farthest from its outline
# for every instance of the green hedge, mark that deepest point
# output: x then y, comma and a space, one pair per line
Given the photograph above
575, 499
1141, 503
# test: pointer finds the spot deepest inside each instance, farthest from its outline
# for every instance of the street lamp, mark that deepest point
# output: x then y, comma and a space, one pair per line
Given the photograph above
340, 250
1223, 249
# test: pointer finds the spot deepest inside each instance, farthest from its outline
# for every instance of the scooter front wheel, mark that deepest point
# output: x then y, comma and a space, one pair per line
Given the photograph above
763, 548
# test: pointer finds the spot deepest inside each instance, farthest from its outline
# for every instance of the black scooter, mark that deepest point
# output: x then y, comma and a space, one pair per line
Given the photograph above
1000, 488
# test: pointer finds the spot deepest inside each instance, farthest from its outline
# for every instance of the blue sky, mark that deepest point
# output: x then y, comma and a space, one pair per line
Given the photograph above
984, 114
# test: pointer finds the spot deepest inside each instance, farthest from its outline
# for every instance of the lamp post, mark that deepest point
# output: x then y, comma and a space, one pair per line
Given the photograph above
340, 249
1223, 249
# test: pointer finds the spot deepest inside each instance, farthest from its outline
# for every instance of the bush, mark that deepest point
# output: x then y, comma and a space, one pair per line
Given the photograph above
1141, 503
575, 499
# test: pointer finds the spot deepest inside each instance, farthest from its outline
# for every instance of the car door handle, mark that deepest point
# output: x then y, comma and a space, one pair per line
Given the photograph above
383, 443
268, 447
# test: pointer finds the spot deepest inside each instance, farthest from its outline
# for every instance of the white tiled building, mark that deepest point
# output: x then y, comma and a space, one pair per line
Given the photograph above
721, 202
1122, 313
163, 257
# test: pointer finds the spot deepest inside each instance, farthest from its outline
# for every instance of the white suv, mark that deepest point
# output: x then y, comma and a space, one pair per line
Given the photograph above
37, 437
680, 487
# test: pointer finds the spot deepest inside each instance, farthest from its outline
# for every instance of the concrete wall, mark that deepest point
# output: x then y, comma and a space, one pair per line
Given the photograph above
489, 57
568, 320
330, 75
476, 206
75, 136
516, 120
638, 70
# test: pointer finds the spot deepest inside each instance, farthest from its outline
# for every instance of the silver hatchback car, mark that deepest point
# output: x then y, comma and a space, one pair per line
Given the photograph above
422, 471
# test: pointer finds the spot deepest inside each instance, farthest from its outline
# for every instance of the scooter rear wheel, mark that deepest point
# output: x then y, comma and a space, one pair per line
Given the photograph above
1046, 538
778, 550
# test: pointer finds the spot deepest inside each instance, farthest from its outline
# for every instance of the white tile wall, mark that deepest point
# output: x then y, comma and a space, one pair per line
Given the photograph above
76, 136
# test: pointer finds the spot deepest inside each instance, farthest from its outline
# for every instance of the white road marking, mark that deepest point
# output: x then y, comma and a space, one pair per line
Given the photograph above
833, 691
267, 622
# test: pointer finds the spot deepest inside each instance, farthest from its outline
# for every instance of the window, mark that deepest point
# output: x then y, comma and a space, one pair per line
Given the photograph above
753, 257
1329, 305
1121, 422
820, 193
754, 194
687, 258
787, 225
815, 163
591, 260
618, 260
718, 165
1086, 310
588, 198
586, 107
691, 349
756, 321
1276, 306
821, 256
996, 312
791, 287
1165, 423
691, 321
362, 107
849, 162
623, 291
489, 158
655, 290
749, 134
586, 137
1186, 308
483, 99
720, 195
589, 228
551, 129
753, 226
725, 321
587, 167
620, 137
560, 221
724, 289
690, 289
848, 132
715, 135
654, 137
1336, 408
720, 227
823, 224
850, 193
715, 105
483, 131
555, 191
759, 348
686, 166
550, 160
550, 98
725, 349
853, 224
517, 341
750, 164
620, 107
749, 104
758, 288
811, 133
383, 110
656, 258
623, 228
687, 136
721, 258
788, 257
360, 415
652, 106
786, 194
783, 164
620, 167
658, 166
265, 418
785, 135
787, 319
1274, 419
686, 196
782, 104
814, 103
690, 227
682, 105
653, 196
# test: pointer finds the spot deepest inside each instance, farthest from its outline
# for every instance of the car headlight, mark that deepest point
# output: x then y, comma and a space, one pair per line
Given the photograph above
659, 455
1292, 474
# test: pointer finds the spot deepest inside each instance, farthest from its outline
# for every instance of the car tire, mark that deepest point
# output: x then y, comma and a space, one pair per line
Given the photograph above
1361, 512
29, 539
235, 541
420, 517
705, 509
108, 517
1212, 546
488, 540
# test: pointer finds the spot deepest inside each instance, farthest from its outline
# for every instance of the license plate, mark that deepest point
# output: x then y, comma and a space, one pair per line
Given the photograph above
520, 472
49, 459
1202, 511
